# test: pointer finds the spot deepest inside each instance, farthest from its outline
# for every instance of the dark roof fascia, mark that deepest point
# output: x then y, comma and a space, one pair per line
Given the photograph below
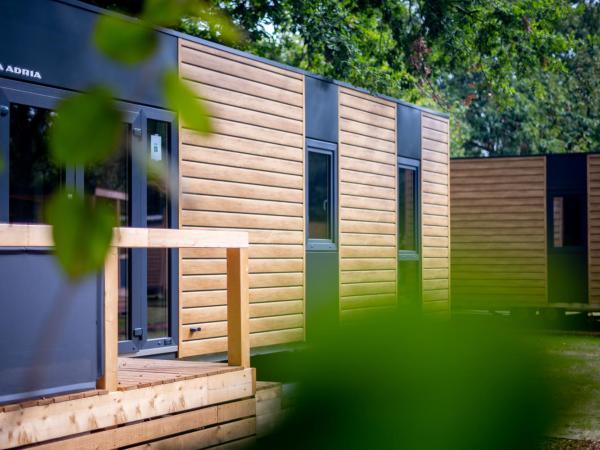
543, 155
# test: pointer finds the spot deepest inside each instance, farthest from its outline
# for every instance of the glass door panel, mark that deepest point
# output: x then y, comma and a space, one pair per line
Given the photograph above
33, 175
157, 295
111, 181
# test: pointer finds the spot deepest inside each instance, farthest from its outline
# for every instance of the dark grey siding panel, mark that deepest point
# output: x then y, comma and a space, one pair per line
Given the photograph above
321, 98
55, 40
567, 172
49, 338
408, 134
322, 293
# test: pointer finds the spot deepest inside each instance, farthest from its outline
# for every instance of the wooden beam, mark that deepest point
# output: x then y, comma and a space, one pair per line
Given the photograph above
165, 238
14, 235
111, 304
238, 318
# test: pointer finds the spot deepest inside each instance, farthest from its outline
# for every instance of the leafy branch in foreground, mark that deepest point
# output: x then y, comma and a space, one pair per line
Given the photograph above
88, 126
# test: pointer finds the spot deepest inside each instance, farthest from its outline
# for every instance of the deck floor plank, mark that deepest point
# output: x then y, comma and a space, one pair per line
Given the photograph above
137, 372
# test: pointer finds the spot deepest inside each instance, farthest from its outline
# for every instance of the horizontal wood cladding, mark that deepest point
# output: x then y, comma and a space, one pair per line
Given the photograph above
367, 201
435, 213
593, 199
498, 232
248, 176
157, 408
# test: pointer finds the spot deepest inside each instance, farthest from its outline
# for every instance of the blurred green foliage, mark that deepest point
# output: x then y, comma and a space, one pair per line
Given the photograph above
87, 129
123, 40
383, 382
179, 97
82, 229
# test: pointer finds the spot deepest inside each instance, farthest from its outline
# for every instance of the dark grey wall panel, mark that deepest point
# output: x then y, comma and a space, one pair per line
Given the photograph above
55, 40
567, 172
408, 134
49, 339
322, 293
321, 109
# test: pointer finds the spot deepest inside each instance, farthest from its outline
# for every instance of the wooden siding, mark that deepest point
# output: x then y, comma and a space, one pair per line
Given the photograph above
435, 204
593, 199
158, 405
499, 255
246, 176
367, 202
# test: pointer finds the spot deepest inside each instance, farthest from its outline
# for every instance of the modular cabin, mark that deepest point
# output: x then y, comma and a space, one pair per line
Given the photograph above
311, 200
524, 232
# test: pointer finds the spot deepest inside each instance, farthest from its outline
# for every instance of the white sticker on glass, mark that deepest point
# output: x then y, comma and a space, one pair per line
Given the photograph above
155, 147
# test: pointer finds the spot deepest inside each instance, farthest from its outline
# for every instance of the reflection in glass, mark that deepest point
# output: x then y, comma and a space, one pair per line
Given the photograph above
567, 214
111, 181
319, 195
33, 176
557, 207
407, 210
158, 217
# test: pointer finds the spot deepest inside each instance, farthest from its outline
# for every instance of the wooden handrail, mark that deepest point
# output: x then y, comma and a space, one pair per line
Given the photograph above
236, 243
14, 235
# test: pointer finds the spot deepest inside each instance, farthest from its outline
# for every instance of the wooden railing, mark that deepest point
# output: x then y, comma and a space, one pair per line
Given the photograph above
235, 242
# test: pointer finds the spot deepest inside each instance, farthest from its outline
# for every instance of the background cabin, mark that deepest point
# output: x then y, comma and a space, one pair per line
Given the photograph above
524, 232
344, 195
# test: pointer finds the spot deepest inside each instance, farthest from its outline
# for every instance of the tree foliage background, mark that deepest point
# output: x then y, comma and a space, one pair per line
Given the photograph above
518, 76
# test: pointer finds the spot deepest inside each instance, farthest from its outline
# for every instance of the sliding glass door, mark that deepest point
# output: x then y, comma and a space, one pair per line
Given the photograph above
137, 179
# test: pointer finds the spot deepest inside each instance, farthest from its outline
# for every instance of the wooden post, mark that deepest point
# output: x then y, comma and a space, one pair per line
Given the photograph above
111, 328
238, 316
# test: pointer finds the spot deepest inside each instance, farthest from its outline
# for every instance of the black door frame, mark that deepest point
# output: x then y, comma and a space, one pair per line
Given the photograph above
137, 116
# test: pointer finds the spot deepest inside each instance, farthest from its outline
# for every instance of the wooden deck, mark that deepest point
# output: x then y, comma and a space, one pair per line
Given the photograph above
135, 373
158, 404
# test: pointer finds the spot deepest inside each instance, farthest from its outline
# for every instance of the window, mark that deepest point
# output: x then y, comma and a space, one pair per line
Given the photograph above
158, 217
33, 175
321, 195
568, 228
408, 211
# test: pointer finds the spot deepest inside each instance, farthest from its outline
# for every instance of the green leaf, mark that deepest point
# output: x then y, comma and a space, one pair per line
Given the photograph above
82, 230
125, 41
87, 128
181, 98
220, 24
167, 12
170, 12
